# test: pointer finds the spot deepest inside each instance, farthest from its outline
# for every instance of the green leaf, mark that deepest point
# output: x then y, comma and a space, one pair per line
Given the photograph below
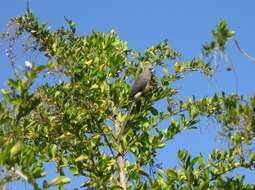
172, 174
154, 111
182, 154
54, 150
165, 80
74, 170
5, 92
16, 101
13, 83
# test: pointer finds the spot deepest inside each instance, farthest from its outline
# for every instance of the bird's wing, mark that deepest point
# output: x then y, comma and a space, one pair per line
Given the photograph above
138, 86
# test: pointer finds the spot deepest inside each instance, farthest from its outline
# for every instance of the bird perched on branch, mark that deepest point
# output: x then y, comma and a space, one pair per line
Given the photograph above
140, 86
142, 83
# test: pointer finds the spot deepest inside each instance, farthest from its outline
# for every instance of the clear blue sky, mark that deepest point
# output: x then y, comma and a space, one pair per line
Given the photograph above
187, 24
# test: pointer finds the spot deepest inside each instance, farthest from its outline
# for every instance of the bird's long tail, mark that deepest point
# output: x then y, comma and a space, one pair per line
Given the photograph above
125, 122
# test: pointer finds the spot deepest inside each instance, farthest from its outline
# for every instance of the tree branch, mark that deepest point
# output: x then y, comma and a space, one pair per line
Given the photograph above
121, 157
244, 52
20, 174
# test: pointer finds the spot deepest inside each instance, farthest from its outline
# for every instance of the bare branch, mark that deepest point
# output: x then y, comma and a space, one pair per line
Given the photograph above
244, 52
121, 157
20, 174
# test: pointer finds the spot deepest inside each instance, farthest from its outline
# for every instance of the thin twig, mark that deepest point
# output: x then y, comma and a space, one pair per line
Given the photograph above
104, 135
244, 52
20, 174
107, 141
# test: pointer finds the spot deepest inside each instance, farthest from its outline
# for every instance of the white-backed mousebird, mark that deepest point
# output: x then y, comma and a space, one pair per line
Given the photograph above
140, 86
142, 83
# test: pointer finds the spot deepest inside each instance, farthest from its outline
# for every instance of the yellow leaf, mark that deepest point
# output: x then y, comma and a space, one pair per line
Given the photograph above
166, 71
168, 53
94, 86
121, 117
65, 136
59, 180
81, 158
96, 136
54, 46
138, 144
16, 148
151, 138
101, 67
88, 62
106, 128
161, 145
178, 67
103, 87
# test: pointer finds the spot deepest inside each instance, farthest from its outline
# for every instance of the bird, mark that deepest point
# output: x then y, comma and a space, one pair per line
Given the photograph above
142, 83
140, 86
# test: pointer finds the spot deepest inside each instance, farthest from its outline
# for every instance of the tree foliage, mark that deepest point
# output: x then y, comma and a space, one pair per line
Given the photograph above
74, 122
